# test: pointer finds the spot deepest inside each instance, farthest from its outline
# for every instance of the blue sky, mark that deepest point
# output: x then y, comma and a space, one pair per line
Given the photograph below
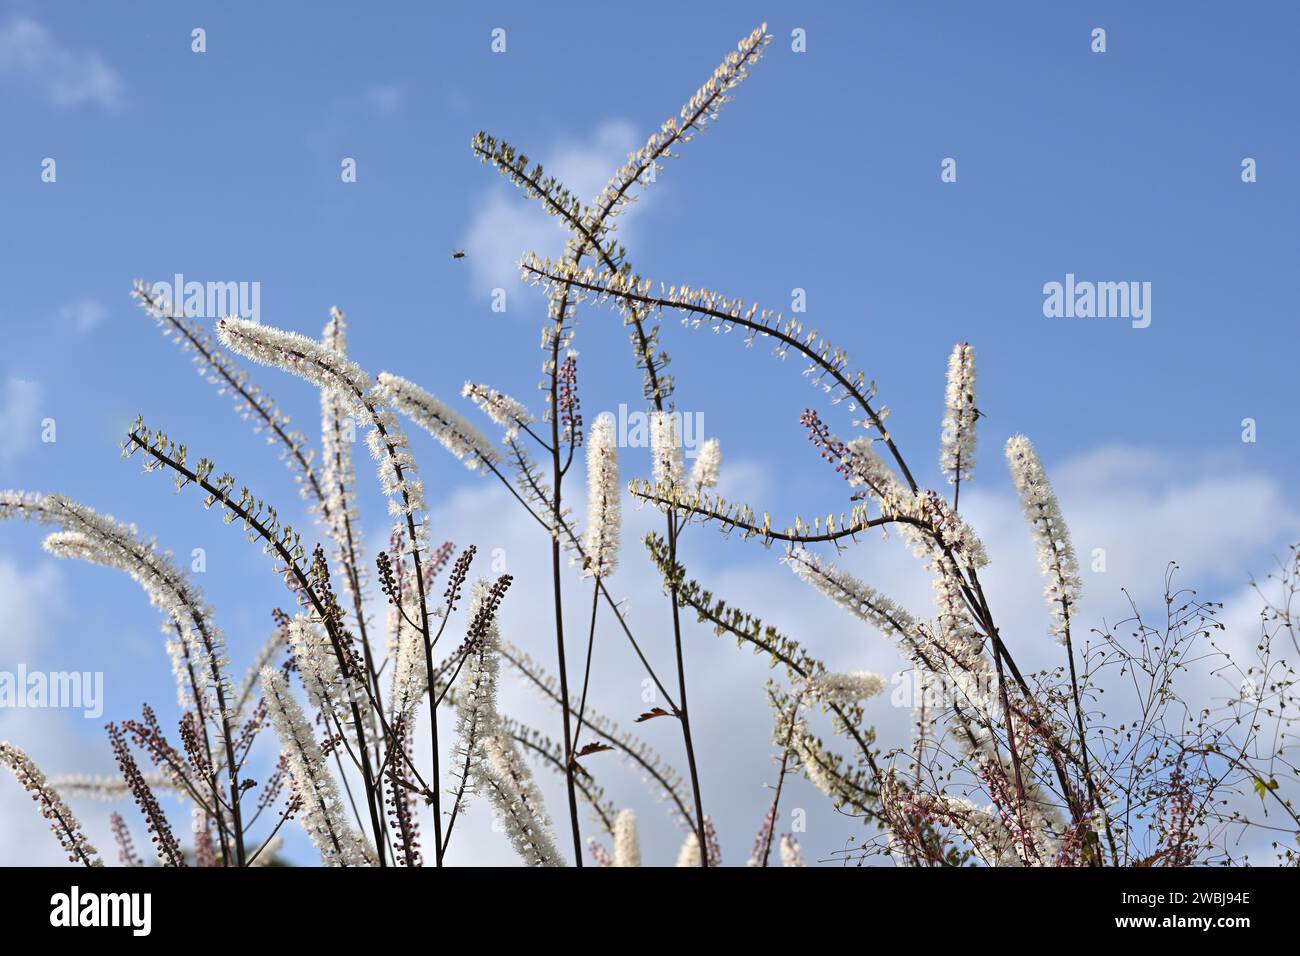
822, 175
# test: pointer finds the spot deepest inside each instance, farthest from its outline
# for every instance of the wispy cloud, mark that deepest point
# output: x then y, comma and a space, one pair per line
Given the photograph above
84, 314
386, 100
19, 412
507, 225
30, 56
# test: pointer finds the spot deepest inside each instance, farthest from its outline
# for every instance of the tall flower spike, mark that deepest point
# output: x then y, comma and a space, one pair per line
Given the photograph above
689, 854
704, 474
694, 116
501, 408
328, 370
338, 477
455, 434
200, 655
666, 447
627, 843
518, 802
603, 499
476, 713
330, 690
1055, 552
791, 855
251, 403
63, 824
491, 764
859, 599
957, 442
323, 816
846, 688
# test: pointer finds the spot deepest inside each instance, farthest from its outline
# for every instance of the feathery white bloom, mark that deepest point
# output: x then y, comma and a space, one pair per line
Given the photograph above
957, 442
666, 448
338, 477
267, 854
954, 628
689, 854
694, 116
791, 855
331, 371
1055, 552
518, 802
410, 672
476, 710
322, 815
868, 469
455, 434
328, 688
28, 505
308, 359
486, 756
501, 408
627, 842
859, 599
805, 746
96, 787
925, 516
704, 474
603, 500
63, 824
846, 688
101, 539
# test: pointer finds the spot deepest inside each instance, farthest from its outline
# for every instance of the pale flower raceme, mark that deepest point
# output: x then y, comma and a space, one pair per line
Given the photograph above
708, 464
689, 854
846, 688
330, 690
1055, 552
501, 408
65, 826
322, 814
603, 500
488, 761
693, 117
328, 370
957, 441
666, 448
791, 855
865, 468
451, 429
198, 652
338, 477
627, 843
859, 599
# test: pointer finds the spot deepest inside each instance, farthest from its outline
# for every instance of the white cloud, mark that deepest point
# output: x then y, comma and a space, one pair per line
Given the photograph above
66, 78
19, 418
508, 224
27, 598
84, 314
385, 100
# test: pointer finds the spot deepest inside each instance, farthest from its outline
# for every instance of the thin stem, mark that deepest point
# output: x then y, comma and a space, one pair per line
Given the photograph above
586, 671
682, 712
